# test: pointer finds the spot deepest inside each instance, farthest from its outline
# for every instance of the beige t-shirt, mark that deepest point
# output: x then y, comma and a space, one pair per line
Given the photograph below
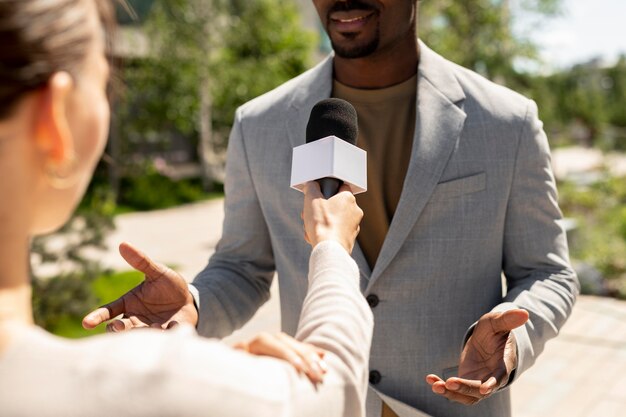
177, 373
386, 128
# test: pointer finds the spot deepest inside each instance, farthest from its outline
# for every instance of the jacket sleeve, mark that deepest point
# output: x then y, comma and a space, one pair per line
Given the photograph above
334, 317
237, 279
536, 260
177, 373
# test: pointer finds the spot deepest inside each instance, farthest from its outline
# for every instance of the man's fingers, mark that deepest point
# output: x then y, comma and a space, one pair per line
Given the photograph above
455, 396
500, 377
508, 320
432, 378
104, 313
116, 326
140, 261
489, 386
469, 387
438, 386
99, 315
460, 390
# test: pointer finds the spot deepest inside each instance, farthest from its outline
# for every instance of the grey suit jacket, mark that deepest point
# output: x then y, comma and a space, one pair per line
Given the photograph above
478, 201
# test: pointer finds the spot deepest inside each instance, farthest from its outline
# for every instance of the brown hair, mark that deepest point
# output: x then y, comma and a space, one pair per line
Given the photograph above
41, 37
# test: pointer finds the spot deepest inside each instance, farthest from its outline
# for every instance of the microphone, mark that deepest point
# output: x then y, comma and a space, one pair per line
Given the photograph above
332, 117
330, 155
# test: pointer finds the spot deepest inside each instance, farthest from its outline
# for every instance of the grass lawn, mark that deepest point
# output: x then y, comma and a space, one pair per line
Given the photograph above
106, 288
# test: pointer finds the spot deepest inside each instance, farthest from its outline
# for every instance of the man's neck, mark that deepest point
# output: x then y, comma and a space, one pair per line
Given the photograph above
381, 69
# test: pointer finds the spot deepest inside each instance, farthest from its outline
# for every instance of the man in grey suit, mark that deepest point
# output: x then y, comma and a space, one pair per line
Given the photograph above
460, 193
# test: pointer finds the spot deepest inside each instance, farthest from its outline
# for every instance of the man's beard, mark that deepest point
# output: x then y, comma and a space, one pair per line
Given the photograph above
359, 51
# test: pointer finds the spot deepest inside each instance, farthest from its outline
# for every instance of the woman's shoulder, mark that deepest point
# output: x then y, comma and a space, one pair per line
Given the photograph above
46, 375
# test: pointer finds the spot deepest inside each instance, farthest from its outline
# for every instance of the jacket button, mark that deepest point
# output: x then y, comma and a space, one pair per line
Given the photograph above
375, 377
372, 300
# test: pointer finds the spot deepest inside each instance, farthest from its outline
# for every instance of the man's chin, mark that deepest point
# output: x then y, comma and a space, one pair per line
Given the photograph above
349, 50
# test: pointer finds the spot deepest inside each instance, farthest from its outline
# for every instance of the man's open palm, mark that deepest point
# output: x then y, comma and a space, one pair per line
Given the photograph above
162, 300
487, 360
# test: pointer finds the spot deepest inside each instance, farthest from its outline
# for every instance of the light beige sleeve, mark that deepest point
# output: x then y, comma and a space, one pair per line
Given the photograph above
336, 317
177, 373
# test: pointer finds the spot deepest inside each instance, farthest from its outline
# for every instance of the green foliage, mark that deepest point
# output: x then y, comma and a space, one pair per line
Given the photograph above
264, 46
245, 47
61, 300
615, 86
600, 239
108, 287
59, 303
591, 95
150, 191
478, 34
234, 50
85, 231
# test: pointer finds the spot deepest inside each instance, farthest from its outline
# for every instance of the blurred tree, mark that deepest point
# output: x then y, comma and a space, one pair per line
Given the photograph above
207, 58
70, 258
587, 100
584, 102
615, 84
479, 34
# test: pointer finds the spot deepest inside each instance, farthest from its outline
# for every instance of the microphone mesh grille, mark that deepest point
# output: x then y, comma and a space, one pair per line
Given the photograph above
332, 116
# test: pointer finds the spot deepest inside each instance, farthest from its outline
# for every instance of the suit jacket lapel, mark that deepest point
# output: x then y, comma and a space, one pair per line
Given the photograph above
317, 85
438, 125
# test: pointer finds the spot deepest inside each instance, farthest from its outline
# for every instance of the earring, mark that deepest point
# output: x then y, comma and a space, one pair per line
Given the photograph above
63, 175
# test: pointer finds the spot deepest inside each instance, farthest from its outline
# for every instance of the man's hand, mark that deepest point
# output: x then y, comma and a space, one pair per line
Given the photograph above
161, 301
306, 358
487, 360
337, 218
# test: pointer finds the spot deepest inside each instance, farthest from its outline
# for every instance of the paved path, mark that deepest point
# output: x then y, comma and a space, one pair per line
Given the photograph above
582, 373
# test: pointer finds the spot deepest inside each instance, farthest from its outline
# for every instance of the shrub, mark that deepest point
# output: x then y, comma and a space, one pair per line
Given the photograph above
600, 239
60, 303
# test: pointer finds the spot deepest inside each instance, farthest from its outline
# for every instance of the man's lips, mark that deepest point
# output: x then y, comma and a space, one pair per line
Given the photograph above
351, 20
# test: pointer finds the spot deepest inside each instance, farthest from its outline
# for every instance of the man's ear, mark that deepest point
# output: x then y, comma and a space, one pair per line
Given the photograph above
53, 134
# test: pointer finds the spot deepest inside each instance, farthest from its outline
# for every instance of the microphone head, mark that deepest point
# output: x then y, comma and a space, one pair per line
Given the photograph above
332, 117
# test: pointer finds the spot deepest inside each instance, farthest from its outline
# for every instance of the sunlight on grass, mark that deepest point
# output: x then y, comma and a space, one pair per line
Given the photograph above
106, 288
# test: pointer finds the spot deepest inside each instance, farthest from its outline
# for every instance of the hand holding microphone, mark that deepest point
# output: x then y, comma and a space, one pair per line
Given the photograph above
337, 218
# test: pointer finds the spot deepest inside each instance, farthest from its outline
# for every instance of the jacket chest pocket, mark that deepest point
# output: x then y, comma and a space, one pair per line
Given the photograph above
459, 209
459, 187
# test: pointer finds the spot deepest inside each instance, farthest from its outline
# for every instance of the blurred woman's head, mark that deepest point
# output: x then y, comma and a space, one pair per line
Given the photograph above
54, 112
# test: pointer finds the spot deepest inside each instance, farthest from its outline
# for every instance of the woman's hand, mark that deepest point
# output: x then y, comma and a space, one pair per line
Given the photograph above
306, 358
337, 218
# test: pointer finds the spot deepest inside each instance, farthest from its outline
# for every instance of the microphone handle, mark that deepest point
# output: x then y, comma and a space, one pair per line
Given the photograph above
329, 186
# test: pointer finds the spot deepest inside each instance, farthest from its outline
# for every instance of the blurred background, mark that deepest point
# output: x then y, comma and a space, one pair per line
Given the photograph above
183, 67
